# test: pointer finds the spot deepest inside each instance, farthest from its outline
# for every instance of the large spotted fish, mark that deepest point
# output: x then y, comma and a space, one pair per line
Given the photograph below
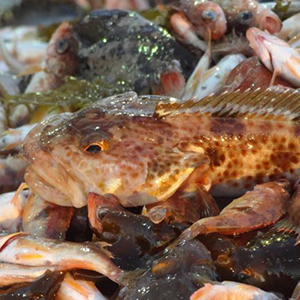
229, 143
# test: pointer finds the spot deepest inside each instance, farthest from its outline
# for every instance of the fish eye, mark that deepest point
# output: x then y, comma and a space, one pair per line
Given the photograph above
61, 46
96, 147
93, 149
209, 15
245, 17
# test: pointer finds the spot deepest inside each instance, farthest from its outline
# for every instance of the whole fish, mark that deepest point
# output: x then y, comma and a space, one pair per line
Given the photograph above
234, 141
233, 291
277, 55
127, 49
22, 249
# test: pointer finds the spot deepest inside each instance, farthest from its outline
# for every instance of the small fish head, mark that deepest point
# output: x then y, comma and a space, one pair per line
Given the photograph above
169, 82
263, 43
268, 20
132, 157
61, 57
207, 16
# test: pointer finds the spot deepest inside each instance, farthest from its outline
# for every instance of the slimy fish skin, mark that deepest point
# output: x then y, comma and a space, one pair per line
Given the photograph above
228, 142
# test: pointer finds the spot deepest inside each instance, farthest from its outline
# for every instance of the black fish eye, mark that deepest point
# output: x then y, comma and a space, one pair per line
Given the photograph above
245, 17
94, 148
61, 46
209, 15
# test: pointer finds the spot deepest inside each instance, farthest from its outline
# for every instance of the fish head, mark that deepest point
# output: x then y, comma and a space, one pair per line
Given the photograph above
208, 19
263, 44
61, 54
268, 20
169, 82
134, 158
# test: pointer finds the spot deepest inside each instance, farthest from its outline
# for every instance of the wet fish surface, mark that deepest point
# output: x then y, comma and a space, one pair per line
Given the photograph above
225, 141
125, 47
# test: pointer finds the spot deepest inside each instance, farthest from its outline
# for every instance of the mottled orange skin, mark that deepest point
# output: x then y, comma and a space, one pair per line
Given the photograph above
243, 152
146, 159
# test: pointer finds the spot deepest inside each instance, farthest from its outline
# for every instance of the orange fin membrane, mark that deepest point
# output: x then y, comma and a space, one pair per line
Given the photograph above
272, 103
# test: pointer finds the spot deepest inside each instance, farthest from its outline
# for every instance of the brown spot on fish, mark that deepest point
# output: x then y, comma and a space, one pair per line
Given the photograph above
227, 126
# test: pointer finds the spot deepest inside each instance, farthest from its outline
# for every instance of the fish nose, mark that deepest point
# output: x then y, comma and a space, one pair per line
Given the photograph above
209, 15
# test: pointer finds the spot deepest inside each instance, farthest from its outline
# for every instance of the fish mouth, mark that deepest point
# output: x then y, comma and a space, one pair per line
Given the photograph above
46, 176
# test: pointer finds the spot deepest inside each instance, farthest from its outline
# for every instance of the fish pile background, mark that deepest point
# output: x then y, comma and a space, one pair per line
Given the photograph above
149, 149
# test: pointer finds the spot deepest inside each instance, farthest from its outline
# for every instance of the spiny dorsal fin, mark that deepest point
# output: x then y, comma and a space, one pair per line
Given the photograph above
273, 103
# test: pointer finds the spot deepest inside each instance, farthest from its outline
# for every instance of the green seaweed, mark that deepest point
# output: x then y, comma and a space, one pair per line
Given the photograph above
159, 16
71, 96
281, 8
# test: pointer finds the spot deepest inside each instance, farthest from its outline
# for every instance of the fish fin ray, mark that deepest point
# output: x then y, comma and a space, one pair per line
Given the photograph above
272, 103
287, 225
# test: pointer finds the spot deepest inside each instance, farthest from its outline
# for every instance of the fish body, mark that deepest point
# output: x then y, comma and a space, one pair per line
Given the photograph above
231, 142
44, 219
232, 291
13, 274
125, 47
277, 55
22, 249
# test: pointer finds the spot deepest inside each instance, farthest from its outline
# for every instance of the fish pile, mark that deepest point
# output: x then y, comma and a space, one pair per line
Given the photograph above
149, 149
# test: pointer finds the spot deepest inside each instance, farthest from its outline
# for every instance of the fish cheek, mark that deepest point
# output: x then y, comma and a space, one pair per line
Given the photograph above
168, 171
